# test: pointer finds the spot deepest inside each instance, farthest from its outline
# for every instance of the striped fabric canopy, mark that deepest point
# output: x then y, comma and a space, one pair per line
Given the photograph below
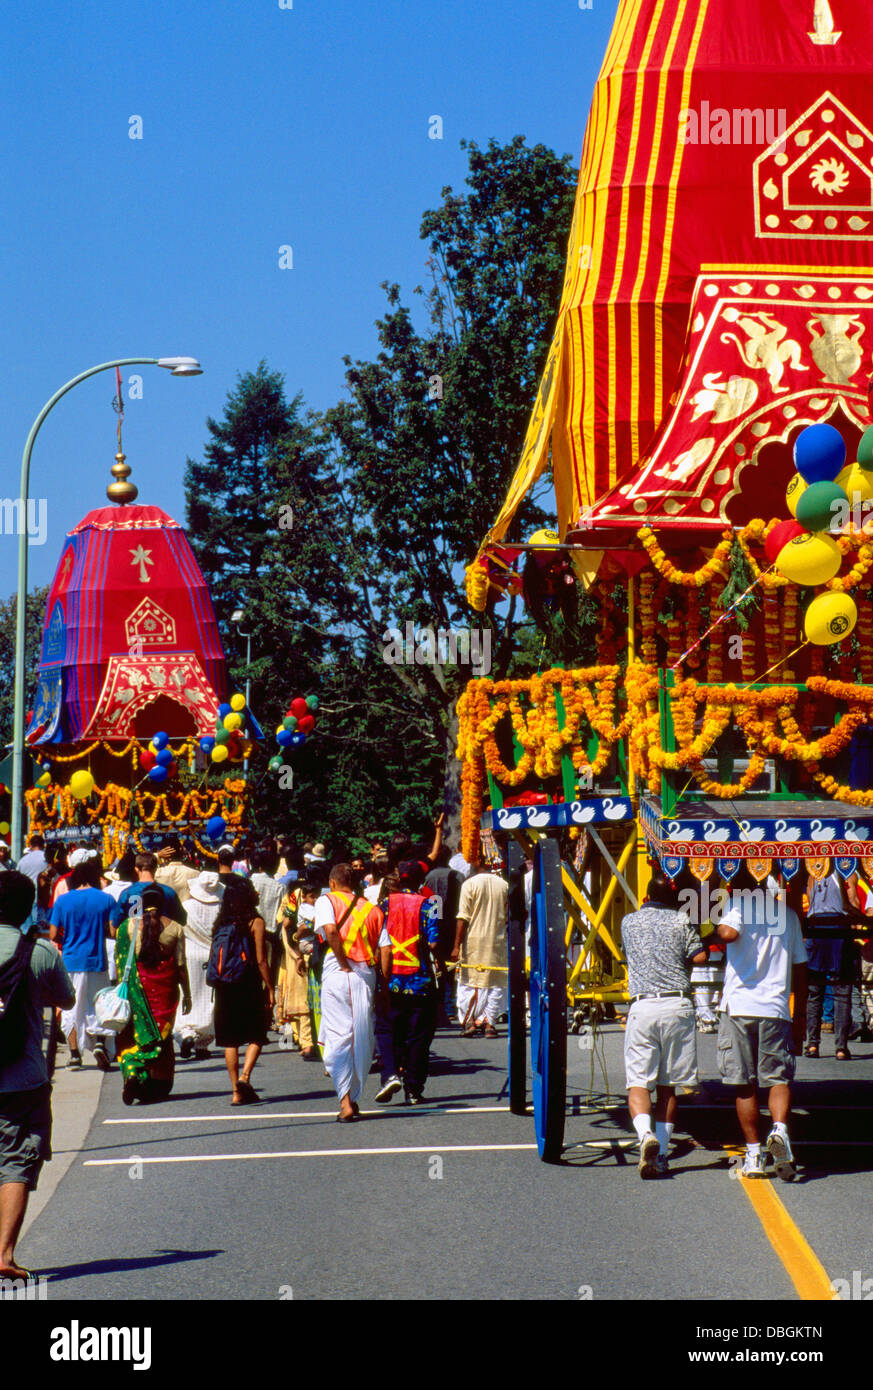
720, 264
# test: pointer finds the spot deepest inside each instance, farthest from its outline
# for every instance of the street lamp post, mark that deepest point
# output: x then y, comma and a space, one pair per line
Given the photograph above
236, 617
178, 366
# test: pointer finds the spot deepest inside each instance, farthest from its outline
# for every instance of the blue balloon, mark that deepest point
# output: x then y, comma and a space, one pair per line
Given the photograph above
298, 740
160, 740
226, 709
819, 454
215, 827
284, 737
158, 773
164, 757
207, 744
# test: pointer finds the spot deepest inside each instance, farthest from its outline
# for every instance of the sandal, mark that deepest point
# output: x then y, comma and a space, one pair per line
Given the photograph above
811, 1050
247, 1091
237, 1098
843, 1055
342, 1119
491, 1031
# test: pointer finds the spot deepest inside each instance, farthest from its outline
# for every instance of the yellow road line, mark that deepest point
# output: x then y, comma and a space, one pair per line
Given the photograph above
804, 1268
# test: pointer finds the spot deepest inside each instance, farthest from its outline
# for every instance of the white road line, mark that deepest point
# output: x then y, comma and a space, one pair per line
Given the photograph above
306, 1153
249, 1114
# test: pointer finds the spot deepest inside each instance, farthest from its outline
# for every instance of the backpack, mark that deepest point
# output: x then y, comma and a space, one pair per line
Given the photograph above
229, 955
13, 1019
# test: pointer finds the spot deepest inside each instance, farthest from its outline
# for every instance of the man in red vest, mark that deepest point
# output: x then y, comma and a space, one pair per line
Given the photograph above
406, 1013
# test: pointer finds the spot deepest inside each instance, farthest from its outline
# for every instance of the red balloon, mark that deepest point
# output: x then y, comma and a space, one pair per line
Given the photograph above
173, 769
147, 760
299, 707
306, 724
780, 536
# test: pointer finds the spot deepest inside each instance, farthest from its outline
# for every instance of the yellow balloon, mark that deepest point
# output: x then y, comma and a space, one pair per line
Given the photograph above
793, 493
219, 753
232, 721
544, 537
44, 780
81, 785
809, 559
4, 827
238, 702
830, 618
857, 483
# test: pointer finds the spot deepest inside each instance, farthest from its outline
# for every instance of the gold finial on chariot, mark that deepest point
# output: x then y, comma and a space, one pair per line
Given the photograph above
122, 492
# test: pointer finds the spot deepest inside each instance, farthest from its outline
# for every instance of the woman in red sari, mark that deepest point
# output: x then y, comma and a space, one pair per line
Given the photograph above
160, 969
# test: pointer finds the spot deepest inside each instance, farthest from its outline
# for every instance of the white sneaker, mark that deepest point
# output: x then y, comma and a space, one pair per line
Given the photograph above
649, 1151
753, 1165
779, 1149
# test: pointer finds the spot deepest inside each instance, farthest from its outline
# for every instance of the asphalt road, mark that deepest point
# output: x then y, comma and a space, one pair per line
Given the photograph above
194, 1199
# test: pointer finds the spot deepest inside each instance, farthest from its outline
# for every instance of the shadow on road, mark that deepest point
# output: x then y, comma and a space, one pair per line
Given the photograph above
160, 1257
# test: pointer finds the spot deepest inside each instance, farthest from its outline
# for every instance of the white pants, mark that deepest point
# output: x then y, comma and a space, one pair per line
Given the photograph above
81, 1016
490, 1004
347, 1034
198, 1026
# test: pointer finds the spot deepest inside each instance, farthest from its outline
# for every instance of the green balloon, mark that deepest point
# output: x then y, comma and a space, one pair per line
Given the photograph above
222, 734
276, 763
312, 702
823, 507
865, 449
289, 722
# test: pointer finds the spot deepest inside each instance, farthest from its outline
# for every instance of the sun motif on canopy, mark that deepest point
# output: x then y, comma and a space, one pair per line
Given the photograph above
829, 176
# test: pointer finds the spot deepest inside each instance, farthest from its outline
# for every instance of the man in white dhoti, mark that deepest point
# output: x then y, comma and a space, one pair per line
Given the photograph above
350, 928
195, 1030
480, 949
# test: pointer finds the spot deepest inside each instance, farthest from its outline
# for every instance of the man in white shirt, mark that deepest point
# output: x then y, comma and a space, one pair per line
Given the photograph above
33, 862
758, 1040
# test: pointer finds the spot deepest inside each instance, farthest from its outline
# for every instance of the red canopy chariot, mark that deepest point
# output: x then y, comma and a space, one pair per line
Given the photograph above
718, 299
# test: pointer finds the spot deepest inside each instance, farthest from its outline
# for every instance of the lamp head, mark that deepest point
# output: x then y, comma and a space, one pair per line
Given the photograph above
181, 366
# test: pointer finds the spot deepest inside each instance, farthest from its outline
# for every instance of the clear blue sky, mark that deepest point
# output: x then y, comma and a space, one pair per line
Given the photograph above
261, 127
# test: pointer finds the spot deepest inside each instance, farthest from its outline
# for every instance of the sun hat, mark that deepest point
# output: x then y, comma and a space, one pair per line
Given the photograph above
206, 888
318, 852
81, 856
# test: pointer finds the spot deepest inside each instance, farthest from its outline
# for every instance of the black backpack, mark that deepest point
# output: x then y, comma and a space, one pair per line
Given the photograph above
13, 1019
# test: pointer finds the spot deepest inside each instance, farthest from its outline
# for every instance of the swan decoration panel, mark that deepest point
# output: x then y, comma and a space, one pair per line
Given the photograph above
595, 810
731, 838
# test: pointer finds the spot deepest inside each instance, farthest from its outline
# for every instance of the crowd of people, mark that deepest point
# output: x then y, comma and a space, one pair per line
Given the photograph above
337, 955
356, 961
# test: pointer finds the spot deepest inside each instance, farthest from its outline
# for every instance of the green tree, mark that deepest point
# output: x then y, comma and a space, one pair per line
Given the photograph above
36, 601
428, 441
390, 492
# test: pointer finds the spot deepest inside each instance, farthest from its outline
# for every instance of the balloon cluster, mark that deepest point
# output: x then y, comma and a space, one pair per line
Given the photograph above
228, 745
821, 497
298, 723
157, 760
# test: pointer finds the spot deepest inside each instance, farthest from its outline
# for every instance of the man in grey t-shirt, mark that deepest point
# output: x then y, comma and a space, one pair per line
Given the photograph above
660, 945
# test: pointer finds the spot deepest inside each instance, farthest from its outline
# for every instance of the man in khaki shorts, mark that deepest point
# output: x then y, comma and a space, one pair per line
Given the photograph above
660, 1049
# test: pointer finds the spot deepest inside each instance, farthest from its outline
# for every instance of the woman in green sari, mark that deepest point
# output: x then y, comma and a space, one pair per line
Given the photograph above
159, 970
